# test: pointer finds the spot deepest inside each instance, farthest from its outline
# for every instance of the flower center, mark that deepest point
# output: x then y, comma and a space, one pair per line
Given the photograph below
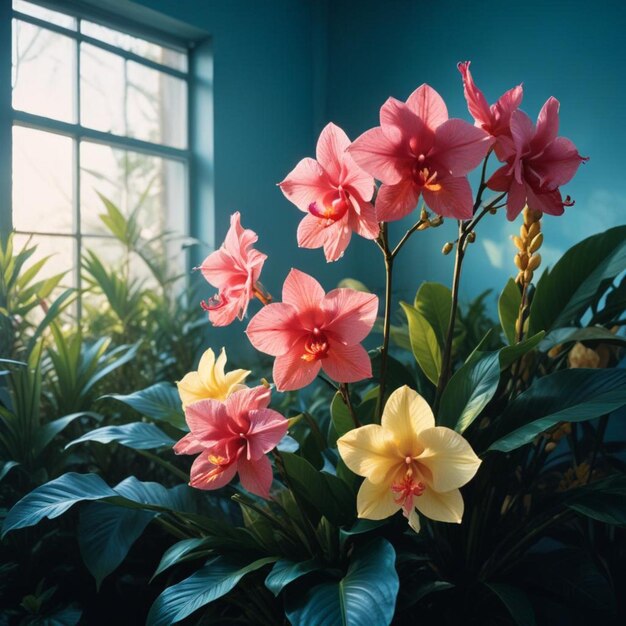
333, 207
423, 176
315, 347
407, 489
214, 302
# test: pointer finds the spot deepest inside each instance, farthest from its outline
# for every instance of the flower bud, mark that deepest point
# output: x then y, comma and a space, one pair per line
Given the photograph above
437, 221
424, 225
528, 276
471, 237
424, 215
536, 242
533, 230
534, 262
447, 248
521, 260
519, 244
523, 232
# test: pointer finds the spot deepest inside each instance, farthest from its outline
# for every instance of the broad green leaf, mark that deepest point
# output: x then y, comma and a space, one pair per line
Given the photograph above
330, 495
469, 391
213, 581
566, 291
106, 533
182, 550
340, 415
510, 354
6, 467
285, 572
353, 283
366, 595
604, 500
54, 498
136, 435
573, 334
434, 302
516, 602
47, 432
508, 309
423, 343
398, 374
572, 395
160, 402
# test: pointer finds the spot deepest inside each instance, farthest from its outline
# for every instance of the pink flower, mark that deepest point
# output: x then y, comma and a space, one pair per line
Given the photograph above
335, 193
540, 163
494, 119
417, 151
311, 330
234, 270
233, 437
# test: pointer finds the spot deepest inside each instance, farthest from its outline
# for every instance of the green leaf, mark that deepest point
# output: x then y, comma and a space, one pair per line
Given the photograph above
510, 354
604, 501
469, 391
47, 432
434, 302
508, 309
54, 498
423, 343
565, 292
178, 552
106, 533
572, 395
285, 572
136, 435
213, 581
160, 402
366, 595
330, 495
340, 416
573, 334
516, 602
6, 467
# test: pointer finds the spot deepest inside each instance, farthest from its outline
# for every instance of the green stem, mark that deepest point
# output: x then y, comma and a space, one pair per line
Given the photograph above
345, 395
387, 323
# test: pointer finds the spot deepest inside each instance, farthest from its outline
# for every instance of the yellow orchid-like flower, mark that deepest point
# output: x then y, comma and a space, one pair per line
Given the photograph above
210, 381
409, 463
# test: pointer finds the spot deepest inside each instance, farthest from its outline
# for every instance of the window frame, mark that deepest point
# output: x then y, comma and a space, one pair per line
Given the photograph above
78, 133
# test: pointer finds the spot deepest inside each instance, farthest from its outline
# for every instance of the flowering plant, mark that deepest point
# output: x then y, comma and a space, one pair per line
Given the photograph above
485, 449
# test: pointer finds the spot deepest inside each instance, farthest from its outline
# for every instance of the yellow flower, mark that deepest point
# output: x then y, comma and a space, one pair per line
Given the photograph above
409, 463
210, 381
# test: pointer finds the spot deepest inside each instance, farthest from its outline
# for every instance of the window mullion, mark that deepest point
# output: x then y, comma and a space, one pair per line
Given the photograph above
76, 170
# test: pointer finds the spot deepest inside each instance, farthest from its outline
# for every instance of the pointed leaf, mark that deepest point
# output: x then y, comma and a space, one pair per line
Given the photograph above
285, 572
508, 309
136, 435
424, 343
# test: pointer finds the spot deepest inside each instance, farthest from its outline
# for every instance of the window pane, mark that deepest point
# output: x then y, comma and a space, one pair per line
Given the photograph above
150, 188
60, 19
156, 106
61, 251
43, 64
42, 181
102, 90
159, 54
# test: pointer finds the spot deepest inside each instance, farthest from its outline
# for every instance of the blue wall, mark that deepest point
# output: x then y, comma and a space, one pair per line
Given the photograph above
283, 68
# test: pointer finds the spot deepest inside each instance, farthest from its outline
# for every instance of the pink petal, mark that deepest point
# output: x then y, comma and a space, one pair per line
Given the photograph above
500, 180
237, 238
218, 268
241, 402
405, 130
522, 130
394, 202
312, 232
267, 428
306, 183
204, 414
331, 146
547, 124
460, 147
378, 156
365, 223
558, 163
347, 364
355, 180
516, 199
206, 475
189, 444
302, 291
274, 329
502, 109
234, 306
256, 476
476, 101
454, 199
337, 239
351, 313
427, 104
550, 202
291, 371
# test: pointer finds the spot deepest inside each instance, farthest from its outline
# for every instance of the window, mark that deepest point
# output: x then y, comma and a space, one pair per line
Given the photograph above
97, 114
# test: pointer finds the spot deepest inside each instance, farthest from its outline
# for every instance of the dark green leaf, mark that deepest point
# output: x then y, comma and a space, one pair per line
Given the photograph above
516, 603
213, 581
177, 553
136, 435
366, 595
604, 501
434, 302
508, 309
285, 572
572, 395
573, 334
47, 432
423, 343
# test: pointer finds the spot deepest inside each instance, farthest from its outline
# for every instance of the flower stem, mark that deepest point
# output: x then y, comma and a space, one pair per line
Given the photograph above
388, 255
345, 395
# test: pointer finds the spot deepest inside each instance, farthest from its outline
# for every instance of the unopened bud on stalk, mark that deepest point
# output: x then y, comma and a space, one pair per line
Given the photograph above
519, 244
528, 276
551, 445
437, 221
535, 244
424, 215
534, 262
493, 211
471, 238
424, 225
447, 248
521, 260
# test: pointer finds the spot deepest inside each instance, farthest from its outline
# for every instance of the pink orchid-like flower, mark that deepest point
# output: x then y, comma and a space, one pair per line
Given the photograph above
234, 270
494, 119
233, 437
310, 330
417, 151
538, 165
335, 193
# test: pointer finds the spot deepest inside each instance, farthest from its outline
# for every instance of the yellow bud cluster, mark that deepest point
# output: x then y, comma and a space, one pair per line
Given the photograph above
528, 243
576, 477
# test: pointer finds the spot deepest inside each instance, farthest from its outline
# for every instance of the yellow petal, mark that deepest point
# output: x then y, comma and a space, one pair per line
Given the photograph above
191, 389
449, 457
368, 452
441, 507
206, 367
406, 414
375, 501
